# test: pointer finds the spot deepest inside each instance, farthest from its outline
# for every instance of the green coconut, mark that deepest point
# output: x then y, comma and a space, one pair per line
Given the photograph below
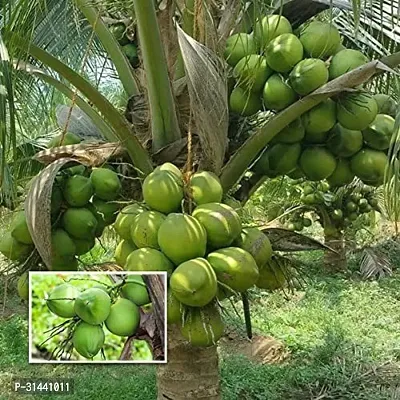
345, 61
344, 142
118, 30
19, 228
386, 104
76, 170
308, 75
292, 133
271, 276
251, 72
319, 39
239, 46
56, 200
296, 174
174, 309
356, 111
205, 188
182, 237
61, 300
106, 183
148, 259
65, 264
125, 219
62, 245
78, 190
88, 339
234, 267
64, 140
284, 52
270, 27
343, 175
340, 47
318, 121
83, 246
144, 229
131, 52
171, 168
256, 243
202, 327
279, 159
163, 191
244, 102
93, 306
194, 282
124, 318
23, 286
80, 223
135, 290
379, 134
317, 163
369, 165
122, 251
221, 222
105, 211
277, 93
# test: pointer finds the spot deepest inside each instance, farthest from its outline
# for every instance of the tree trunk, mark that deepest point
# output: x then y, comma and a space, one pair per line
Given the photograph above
335, 240
191, 372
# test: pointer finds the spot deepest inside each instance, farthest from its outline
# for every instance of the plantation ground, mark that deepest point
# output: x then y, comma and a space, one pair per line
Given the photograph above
343, 335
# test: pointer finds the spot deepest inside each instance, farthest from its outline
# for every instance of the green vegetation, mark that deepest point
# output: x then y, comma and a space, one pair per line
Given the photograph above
343, 335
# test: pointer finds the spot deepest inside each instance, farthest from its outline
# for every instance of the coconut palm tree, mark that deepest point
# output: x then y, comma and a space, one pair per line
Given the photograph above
176, 101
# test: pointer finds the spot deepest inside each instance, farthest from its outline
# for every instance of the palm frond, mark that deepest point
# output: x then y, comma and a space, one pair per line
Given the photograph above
374, 264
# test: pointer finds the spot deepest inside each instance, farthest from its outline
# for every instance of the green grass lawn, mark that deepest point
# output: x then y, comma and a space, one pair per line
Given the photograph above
343, 335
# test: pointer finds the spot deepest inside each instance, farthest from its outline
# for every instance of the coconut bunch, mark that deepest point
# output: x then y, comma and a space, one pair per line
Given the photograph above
83, 203
339, 138
344, 207
185, 229
129, 46
114, 307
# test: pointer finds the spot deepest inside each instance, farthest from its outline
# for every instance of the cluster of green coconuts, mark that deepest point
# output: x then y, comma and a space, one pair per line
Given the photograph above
129, 47
205, 251
342, 208
338, 139
115, 307
83, 203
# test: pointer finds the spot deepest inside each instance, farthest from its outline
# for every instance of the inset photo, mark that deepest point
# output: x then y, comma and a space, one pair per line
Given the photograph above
97, 317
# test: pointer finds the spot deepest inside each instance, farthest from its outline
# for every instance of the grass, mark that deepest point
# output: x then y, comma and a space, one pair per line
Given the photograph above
343, 335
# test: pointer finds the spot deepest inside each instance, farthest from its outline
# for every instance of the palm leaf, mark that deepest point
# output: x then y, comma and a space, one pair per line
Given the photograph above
374, 264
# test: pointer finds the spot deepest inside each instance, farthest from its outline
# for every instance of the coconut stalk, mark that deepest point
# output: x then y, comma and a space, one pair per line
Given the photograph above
164, 120
111, 45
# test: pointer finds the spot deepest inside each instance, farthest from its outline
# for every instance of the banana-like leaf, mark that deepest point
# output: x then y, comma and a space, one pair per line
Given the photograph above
288, 241
206, 77
250, 150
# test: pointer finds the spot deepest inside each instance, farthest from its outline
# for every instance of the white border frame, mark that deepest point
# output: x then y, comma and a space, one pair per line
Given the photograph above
35, 361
